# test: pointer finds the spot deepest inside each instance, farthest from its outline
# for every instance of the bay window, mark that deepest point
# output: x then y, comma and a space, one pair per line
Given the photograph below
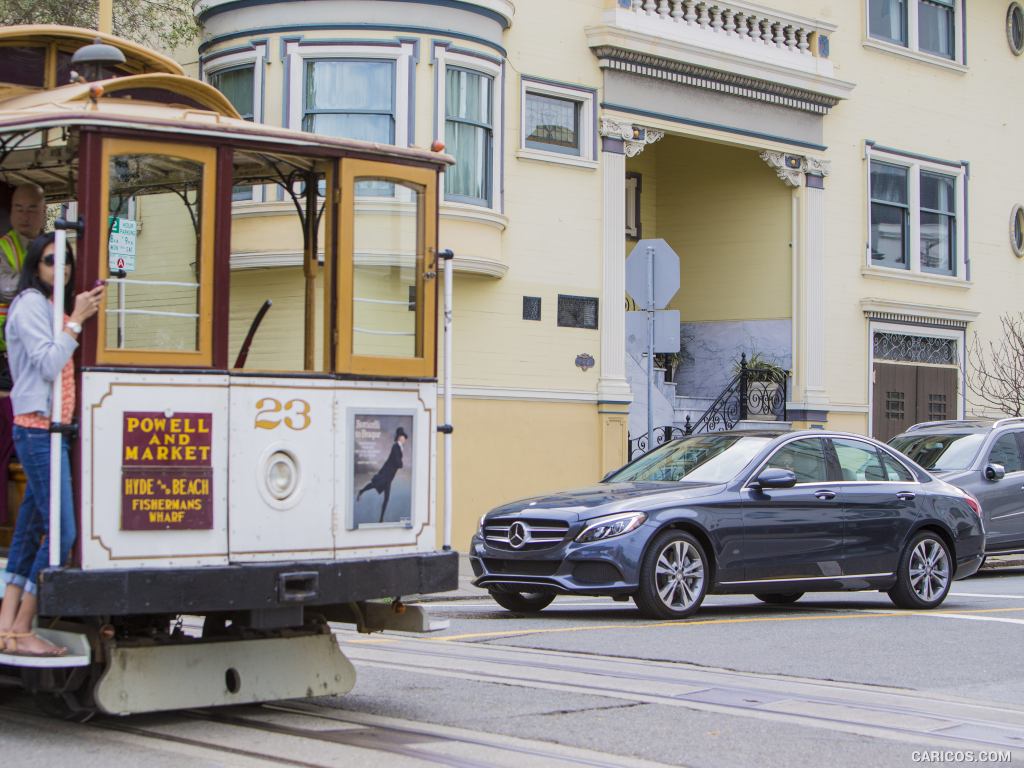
469, 126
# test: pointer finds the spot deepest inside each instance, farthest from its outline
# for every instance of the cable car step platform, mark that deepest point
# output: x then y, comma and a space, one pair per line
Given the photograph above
78, 655
164, 677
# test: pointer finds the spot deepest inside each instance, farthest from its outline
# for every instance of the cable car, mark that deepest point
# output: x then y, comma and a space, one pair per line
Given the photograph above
255, 430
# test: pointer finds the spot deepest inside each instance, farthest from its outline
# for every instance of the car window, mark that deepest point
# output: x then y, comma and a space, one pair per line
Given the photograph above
696, 459
940, 452
806, 459
1006, 452
858, 460
895, 471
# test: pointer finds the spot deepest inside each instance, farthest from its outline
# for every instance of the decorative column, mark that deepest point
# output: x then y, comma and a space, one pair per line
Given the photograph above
806, 177
619, 141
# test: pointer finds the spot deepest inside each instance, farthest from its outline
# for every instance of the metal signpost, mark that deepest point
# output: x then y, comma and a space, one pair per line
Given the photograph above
652, 279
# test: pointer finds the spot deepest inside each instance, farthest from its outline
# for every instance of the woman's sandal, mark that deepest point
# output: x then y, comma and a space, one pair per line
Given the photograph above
10, 646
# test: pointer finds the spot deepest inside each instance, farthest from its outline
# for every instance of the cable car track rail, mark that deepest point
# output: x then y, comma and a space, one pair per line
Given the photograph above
863, 709
351, 731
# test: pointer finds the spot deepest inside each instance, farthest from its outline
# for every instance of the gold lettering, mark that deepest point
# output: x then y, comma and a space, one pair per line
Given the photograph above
133, 423
131, 453
175, 425
161, 453
202, 427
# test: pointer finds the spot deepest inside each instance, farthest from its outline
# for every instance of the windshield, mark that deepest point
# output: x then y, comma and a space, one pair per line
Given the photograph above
699, 459
940, 453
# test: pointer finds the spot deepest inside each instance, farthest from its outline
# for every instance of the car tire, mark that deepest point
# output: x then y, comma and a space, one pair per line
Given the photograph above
674, 577
523, 602
925, 573
773, 598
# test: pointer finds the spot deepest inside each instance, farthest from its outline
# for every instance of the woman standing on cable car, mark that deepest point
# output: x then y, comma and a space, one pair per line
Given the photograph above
37, 357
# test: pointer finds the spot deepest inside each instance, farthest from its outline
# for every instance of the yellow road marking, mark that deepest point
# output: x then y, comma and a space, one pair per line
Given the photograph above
703, 622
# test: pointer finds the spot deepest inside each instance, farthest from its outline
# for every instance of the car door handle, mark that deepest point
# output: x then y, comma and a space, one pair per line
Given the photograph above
825, 495
906, 495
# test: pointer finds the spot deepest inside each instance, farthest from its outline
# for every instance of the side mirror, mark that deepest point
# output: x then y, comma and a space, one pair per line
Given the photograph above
995, 472
774, 477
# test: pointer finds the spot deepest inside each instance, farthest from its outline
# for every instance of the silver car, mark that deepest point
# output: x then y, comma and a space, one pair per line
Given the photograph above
986, 459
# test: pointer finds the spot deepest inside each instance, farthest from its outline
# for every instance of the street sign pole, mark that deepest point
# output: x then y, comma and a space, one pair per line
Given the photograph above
650, 347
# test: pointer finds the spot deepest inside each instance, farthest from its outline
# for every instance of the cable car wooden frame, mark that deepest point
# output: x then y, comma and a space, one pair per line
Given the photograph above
249, 577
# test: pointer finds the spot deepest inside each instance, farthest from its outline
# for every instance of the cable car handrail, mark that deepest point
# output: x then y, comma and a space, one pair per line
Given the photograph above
154, 312
384, 333
129, 281
383, 301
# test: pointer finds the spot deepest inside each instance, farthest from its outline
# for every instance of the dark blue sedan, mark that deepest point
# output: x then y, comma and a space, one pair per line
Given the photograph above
750, 512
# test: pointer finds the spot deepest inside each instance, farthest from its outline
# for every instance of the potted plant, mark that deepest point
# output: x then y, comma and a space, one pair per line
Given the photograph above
766, 386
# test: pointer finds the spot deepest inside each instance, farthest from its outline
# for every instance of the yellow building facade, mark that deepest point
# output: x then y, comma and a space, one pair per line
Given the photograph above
839, 180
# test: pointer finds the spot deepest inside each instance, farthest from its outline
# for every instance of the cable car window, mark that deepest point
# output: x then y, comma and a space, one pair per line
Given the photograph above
387, 268
156, 251
387, 248
23, 65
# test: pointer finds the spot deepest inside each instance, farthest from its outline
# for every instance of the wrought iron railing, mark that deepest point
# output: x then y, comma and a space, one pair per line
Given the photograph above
754, 392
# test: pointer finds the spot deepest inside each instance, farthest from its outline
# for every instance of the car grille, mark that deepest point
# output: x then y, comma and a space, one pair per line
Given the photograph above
522, 567
524, 534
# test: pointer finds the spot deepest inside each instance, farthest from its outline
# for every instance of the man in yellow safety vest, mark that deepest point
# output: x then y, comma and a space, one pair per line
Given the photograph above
28, 214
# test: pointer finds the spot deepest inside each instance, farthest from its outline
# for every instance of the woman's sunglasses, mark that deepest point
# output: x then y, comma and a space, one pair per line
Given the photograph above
48, 260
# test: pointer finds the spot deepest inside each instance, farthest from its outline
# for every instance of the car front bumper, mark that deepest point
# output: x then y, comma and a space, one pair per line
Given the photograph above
610, 567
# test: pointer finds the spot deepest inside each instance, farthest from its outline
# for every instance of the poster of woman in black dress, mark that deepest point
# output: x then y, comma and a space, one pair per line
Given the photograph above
382, 468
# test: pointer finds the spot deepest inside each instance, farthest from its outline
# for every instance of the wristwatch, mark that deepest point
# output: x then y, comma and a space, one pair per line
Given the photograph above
73, 326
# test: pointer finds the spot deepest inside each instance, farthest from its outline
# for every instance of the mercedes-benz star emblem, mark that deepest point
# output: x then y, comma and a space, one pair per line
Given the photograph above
518, 535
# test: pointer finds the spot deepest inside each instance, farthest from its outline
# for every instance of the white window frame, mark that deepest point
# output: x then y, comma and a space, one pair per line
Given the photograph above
584, 98
912, 48
915, 165
632, 214
876, 326
443, 58
298, 52
257, 59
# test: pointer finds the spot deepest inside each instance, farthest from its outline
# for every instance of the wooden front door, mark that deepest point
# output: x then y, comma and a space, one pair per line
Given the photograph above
909, 394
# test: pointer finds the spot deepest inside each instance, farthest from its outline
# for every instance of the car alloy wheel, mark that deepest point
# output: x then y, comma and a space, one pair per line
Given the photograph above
673, 577
925, 573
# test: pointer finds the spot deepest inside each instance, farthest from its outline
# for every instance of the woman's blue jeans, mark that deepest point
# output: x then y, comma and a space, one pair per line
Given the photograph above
30, 546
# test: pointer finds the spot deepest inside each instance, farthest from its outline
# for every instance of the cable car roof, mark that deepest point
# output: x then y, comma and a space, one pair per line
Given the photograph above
162, 105
137, 57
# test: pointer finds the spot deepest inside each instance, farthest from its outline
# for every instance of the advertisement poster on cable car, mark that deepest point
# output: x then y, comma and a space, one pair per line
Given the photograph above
382, 470
167, 471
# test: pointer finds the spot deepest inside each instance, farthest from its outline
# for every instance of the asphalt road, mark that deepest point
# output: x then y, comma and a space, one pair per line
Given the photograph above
833, 680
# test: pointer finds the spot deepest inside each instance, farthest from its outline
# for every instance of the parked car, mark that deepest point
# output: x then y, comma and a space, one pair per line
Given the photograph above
986, 459
752, 512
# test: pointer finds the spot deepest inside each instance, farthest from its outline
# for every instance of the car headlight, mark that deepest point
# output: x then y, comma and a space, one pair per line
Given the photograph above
612, 525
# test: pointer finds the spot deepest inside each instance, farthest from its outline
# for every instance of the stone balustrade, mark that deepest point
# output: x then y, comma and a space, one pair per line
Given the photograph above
740, 21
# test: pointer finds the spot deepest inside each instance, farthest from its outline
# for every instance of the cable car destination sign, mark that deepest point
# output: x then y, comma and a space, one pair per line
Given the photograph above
167, 471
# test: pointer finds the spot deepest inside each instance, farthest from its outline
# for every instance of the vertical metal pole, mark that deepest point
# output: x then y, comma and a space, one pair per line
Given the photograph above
650, 348
106, 16
448, 428
122, 297
59, 248
310, 235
